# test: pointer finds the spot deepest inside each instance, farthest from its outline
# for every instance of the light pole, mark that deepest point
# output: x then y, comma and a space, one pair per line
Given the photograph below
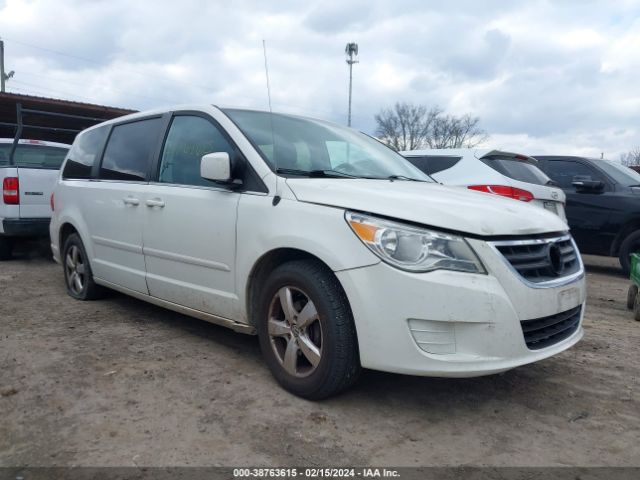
351, 51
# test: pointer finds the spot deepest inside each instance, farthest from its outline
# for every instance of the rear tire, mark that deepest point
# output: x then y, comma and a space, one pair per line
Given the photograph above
78, 277
636, 309
630, 245
306, 330
6, 248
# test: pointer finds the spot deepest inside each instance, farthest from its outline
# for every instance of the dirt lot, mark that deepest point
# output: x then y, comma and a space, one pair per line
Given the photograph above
121, 382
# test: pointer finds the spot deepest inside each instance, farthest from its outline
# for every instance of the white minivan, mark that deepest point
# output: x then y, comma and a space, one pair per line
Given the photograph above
331, 247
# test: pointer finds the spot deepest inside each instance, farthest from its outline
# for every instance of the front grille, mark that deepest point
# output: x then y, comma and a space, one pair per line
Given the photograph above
547, 331
541, 260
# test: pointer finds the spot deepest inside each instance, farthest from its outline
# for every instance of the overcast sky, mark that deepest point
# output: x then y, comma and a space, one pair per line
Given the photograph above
544, 76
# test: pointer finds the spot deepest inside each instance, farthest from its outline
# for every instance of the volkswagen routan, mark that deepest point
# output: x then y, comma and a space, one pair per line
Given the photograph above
337, 252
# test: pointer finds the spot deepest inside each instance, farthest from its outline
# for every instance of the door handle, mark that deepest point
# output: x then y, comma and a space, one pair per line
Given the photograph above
155, 202
131, 201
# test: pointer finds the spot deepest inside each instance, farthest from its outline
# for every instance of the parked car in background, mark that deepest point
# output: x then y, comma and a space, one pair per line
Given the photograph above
603, 204
27, 184
506, 174
333, 248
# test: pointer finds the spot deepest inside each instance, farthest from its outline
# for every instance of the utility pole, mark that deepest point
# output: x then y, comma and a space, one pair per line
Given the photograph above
1, 66
3, 76
351, 50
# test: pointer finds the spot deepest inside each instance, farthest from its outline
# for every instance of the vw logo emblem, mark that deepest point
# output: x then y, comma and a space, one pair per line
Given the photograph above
554, 255
554, 195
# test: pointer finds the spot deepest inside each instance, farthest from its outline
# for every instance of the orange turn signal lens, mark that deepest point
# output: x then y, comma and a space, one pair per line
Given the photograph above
366, 232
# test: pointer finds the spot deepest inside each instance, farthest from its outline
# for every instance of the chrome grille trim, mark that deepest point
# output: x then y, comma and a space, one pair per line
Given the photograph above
536, 260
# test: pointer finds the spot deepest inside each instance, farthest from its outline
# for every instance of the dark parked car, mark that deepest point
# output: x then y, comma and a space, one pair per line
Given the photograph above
603, 204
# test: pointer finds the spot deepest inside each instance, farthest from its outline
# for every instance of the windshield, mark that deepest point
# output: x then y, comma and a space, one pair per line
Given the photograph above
621, 174
304, 147
34, 156
520, 170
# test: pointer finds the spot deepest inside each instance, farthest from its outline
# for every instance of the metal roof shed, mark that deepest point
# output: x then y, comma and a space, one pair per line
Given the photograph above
50, 119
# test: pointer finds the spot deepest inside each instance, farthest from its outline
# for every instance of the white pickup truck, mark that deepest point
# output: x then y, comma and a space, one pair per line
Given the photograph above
27, 183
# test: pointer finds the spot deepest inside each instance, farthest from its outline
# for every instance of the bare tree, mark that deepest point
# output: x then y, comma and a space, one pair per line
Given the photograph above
406, 126
409, 127
456, 132
631, 158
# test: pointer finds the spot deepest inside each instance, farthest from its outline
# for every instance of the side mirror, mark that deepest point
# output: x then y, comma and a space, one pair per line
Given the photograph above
583, 183
216, 167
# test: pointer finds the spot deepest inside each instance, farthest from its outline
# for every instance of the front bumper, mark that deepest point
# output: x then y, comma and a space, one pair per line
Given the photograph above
25, 227
453, 324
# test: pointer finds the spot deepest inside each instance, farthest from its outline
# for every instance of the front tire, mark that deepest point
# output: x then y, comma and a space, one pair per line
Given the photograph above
630, 245
78, 277
306, 330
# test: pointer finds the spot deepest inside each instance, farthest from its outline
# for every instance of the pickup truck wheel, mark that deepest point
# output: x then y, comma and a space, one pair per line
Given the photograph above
630, 245
78, 276
306, 330
6, 247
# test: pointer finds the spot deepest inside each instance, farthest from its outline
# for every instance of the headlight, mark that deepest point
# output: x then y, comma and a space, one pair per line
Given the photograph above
412, 248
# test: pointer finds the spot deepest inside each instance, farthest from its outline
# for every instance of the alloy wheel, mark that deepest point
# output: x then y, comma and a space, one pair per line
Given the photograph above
75, 268
295, 331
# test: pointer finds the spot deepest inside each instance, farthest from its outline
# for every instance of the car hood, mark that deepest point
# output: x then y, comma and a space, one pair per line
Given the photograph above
430, 204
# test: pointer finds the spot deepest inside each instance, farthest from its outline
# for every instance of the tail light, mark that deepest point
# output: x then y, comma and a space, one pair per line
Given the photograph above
504, 191
11, 191
52, 202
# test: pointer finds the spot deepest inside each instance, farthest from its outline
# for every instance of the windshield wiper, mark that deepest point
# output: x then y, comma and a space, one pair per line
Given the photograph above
338, 174
316, 173
403, 177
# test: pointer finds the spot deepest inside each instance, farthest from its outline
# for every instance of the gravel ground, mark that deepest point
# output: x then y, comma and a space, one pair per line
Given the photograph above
119, 382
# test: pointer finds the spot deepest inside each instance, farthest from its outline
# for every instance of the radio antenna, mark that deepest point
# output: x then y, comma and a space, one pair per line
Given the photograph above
276, 198
266, 71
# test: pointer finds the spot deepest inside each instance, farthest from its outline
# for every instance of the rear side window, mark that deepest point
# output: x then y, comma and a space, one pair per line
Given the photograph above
33, 156
517, 169
129, 150
83, 154
433, 164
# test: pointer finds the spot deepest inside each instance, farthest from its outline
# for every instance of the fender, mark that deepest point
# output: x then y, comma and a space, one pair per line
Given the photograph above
315, 229
628, 228
72, 216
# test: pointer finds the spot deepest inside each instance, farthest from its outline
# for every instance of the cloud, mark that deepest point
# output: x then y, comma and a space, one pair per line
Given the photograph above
543, 76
